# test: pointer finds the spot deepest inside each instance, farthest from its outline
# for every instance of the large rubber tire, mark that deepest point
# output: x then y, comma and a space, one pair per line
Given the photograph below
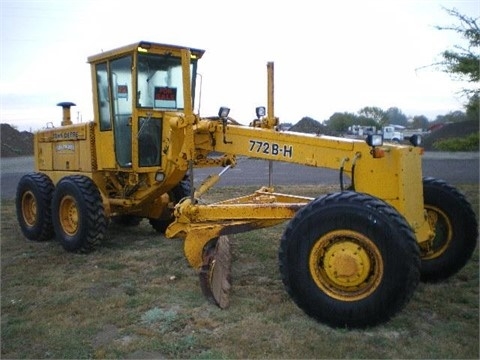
78, 215
456, 230
181, 190
349, 260
33, 199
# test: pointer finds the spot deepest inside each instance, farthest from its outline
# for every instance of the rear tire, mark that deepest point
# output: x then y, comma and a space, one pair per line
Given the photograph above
349, 260
456, 230
34, 213
78, 216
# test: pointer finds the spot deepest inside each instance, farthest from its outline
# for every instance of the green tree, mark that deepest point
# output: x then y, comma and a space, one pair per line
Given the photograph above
365, 121
341, 121
396, 117
472, 108
463, 61
375, 113
451, 117
420, 122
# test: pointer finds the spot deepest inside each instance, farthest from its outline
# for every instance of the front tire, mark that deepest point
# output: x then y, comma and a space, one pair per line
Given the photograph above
78, 216
34, 214
349, 260
456, 230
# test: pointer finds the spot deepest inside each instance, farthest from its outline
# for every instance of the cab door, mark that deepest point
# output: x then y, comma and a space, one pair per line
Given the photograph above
121, 86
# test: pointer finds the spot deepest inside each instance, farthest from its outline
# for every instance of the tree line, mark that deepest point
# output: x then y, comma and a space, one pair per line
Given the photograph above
375, 116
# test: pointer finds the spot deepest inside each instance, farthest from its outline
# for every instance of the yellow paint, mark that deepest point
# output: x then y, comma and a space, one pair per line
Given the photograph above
186, 140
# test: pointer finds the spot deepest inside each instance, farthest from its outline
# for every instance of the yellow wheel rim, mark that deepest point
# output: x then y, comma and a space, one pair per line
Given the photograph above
346, 265
440, 222
29, 208
69, 215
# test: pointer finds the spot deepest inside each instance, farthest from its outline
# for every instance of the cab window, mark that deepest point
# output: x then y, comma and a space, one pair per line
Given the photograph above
102, 97
121, 82
159, 82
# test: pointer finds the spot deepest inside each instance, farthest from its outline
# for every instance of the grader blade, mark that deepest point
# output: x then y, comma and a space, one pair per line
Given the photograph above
215, 274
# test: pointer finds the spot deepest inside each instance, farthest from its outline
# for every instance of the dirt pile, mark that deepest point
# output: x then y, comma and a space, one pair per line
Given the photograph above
308, 125
448, 131
15, 143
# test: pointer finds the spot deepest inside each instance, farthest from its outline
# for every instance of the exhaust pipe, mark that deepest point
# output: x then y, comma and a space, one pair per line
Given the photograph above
66, 120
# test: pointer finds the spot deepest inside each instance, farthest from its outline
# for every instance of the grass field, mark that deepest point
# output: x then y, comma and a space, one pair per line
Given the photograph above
136, 297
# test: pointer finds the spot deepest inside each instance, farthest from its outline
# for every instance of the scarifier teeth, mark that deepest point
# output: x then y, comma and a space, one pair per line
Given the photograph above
215, 273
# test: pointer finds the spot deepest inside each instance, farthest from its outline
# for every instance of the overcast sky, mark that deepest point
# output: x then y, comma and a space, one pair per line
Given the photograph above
330, 56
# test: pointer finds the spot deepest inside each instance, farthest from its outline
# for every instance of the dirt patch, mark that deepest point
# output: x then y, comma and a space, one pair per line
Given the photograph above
105, 336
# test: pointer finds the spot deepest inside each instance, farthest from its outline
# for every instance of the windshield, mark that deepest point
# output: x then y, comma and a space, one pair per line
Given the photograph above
159, 82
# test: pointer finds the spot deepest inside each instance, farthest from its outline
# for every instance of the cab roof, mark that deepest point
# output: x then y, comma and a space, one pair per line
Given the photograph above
144, 46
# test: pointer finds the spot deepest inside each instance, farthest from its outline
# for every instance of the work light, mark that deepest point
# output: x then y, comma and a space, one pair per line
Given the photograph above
260, 111
374, 140
223, 112
415, 140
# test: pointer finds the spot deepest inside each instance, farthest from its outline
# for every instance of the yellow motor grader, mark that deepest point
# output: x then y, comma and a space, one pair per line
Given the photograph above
351, 258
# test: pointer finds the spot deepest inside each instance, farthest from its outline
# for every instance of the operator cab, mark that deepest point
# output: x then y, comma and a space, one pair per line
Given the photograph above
133, 88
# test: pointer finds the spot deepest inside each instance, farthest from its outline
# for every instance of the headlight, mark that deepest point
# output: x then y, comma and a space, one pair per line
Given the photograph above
223, 112
159, 176
415, 140
374, 140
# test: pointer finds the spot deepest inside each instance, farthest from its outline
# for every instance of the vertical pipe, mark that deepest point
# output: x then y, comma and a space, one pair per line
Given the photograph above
270, 113
270, 97
66, 120
187, 85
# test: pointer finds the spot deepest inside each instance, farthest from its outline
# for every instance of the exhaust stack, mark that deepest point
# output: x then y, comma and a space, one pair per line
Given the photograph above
66, 120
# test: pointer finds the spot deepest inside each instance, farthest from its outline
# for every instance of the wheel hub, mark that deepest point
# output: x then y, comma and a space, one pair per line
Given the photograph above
442, 226
346, 265
29, 208
69, 215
